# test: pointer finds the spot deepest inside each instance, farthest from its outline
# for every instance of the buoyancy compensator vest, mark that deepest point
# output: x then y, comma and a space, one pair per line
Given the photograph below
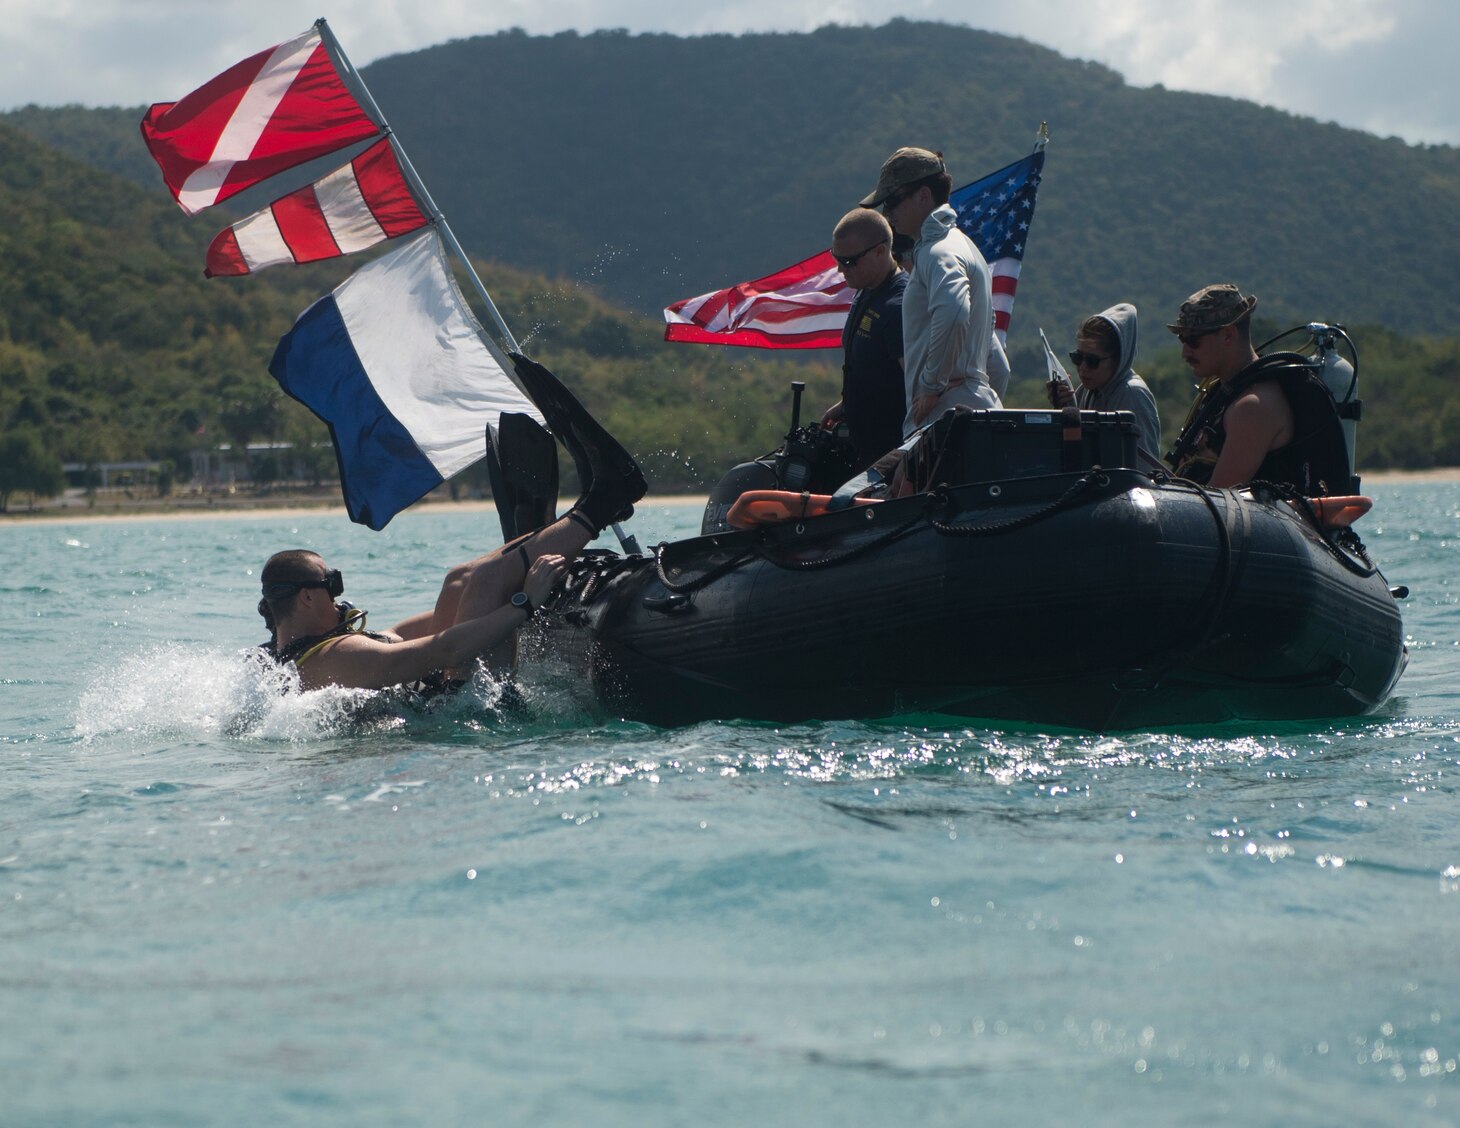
1315, 462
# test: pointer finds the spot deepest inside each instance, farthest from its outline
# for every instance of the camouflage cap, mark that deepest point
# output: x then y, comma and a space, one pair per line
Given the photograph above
1211, 308
906, 166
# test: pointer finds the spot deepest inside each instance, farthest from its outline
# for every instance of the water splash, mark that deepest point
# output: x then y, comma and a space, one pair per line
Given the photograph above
176, 690
184, 691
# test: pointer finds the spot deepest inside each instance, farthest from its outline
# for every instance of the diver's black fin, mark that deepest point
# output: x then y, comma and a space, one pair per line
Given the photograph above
523, 467
611, 479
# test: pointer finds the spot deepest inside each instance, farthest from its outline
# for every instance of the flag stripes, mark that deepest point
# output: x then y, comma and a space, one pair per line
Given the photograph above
273, 111
805, 306
351, 209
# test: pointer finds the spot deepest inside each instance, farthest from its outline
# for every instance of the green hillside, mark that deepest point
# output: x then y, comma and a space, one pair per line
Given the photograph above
653, 167
611, 172
113, 345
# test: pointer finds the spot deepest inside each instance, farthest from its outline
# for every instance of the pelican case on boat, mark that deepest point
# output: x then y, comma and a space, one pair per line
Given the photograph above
990, 446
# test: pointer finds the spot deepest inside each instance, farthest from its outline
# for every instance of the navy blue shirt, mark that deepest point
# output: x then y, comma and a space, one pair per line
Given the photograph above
874, 399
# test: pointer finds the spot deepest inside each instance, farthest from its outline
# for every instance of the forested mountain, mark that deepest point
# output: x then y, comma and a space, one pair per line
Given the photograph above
615, 171
114, 346
653, 167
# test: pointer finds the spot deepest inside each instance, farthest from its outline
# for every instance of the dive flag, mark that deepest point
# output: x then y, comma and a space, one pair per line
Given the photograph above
396, 364
358, 205
806, 306
260, 117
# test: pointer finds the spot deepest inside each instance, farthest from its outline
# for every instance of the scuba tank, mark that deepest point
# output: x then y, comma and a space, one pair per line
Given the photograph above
1341, 378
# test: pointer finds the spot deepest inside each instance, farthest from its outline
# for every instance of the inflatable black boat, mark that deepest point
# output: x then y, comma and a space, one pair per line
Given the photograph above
1035, 575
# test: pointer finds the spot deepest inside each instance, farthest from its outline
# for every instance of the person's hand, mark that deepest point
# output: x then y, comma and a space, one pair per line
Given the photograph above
1060, 394
546, 570
922, 406
833, 415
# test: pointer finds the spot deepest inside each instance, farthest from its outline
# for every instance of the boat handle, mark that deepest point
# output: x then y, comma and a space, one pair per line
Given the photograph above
673, 604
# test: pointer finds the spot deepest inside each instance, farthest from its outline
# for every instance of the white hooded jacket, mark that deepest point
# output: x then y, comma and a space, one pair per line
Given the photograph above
947, 320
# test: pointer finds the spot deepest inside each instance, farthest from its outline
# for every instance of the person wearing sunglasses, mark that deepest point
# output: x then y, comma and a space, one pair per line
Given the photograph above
1105, 348
873, 401
482, 603
947, 309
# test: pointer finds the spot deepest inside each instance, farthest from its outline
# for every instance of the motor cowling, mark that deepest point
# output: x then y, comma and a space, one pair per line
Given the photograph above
758, 475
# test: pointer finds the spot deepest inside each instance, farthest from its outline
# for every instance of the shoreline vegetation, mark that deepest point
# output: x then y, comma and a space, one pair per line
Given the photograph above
313, 503
328, 501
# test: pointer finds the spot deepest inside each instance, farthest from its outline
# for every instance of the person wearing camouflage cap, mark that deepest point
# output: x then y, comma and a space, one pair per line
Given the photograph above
1237, 421
947, 308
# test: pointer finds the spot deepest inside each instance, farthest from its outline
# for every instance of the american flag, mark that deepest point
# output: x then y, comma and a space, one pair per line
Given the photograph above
995, 213
805, 306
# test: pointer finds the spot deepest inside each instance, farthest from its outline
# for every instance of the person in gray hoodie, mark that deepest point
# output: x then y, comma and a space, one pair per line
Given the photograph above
1105, 347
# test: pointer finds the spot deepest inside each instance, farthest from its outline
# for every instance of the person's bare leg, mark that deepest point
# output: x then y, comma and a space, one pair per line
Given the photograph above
487, 583
491, 580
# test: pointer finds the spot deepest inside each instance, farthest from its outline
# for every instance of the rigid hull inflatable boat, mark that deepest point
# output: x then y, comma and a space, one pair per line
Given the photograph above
1044, 588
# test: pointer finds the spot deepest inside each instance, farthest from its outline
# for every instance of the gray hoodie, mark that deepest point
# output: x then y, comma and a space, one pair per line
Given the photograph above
1126, 391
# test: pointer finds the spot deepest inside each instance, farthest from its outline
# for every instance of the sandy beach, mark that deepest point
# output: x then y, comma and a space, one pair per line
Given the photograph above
238, 507
245, 509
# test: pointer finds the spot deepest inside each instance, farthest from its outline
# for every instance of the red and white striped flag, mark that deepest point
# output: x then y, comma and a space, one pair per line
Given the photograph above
804, 306
260, 117
358, 205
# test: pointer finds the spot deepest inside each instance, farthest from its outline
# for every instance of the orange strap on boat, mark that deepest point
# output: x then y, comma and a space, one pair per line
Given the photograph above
1339, 512
771, 507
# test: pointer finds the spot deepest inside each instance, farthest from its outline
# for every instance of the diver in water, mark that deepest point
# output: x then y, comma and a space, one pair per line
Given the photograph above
482, 603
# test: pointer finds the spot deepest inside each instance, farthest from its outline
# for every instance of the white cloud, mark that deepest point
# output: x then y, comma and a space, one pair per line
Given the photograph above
1375, 64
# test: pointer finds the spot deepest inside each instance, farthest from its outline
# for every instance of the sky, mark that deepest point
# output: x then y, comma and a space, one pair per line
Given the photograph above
1384, 66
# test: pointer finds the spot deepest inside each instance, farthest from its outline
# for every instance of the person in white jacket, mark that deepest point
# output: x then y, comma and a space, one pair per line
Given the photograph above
947, 309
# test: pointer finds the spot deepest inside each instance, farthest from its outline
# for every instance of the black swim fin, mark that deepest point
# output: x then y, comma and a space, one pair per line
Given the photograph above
612, 480
523, 467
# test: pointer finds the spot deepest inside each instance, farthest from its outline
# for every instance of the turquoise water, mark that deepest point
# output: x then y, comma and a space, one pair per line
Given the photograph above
223, 906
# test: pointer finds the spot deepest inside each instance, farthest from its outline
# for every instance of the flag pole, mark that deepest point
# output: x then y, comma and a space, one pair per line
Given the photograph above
352, 76
412, 177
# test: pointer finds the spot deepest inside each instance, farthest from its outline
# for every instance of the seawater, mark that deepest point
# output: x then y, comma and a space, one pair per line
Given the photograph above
220, 904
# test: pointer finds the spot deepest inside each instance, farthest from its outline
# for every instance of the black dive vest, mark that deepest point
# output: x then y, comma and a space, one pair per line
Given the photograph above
1315, 462
419, 692
300, 646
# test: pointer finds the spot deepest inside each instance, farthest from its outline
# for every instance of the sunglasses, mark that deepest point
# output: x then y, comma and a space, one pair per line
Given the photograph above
846, 262
333, 582
1084, 359
892, 202
1191, 340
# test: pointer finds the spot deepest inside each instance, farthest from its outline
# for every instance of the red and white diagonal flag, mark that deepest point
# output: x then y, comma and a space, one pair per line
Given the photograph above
804, 306
260, 117
358, 205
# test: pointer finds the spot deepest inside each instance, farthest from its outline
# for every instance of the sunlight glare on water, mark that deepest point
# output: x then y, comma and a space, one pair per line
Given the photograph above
221, 901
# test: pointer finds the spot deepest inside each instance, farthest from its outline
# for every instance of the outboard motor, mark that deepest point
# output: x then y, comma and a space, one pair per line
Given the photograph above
812, 459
